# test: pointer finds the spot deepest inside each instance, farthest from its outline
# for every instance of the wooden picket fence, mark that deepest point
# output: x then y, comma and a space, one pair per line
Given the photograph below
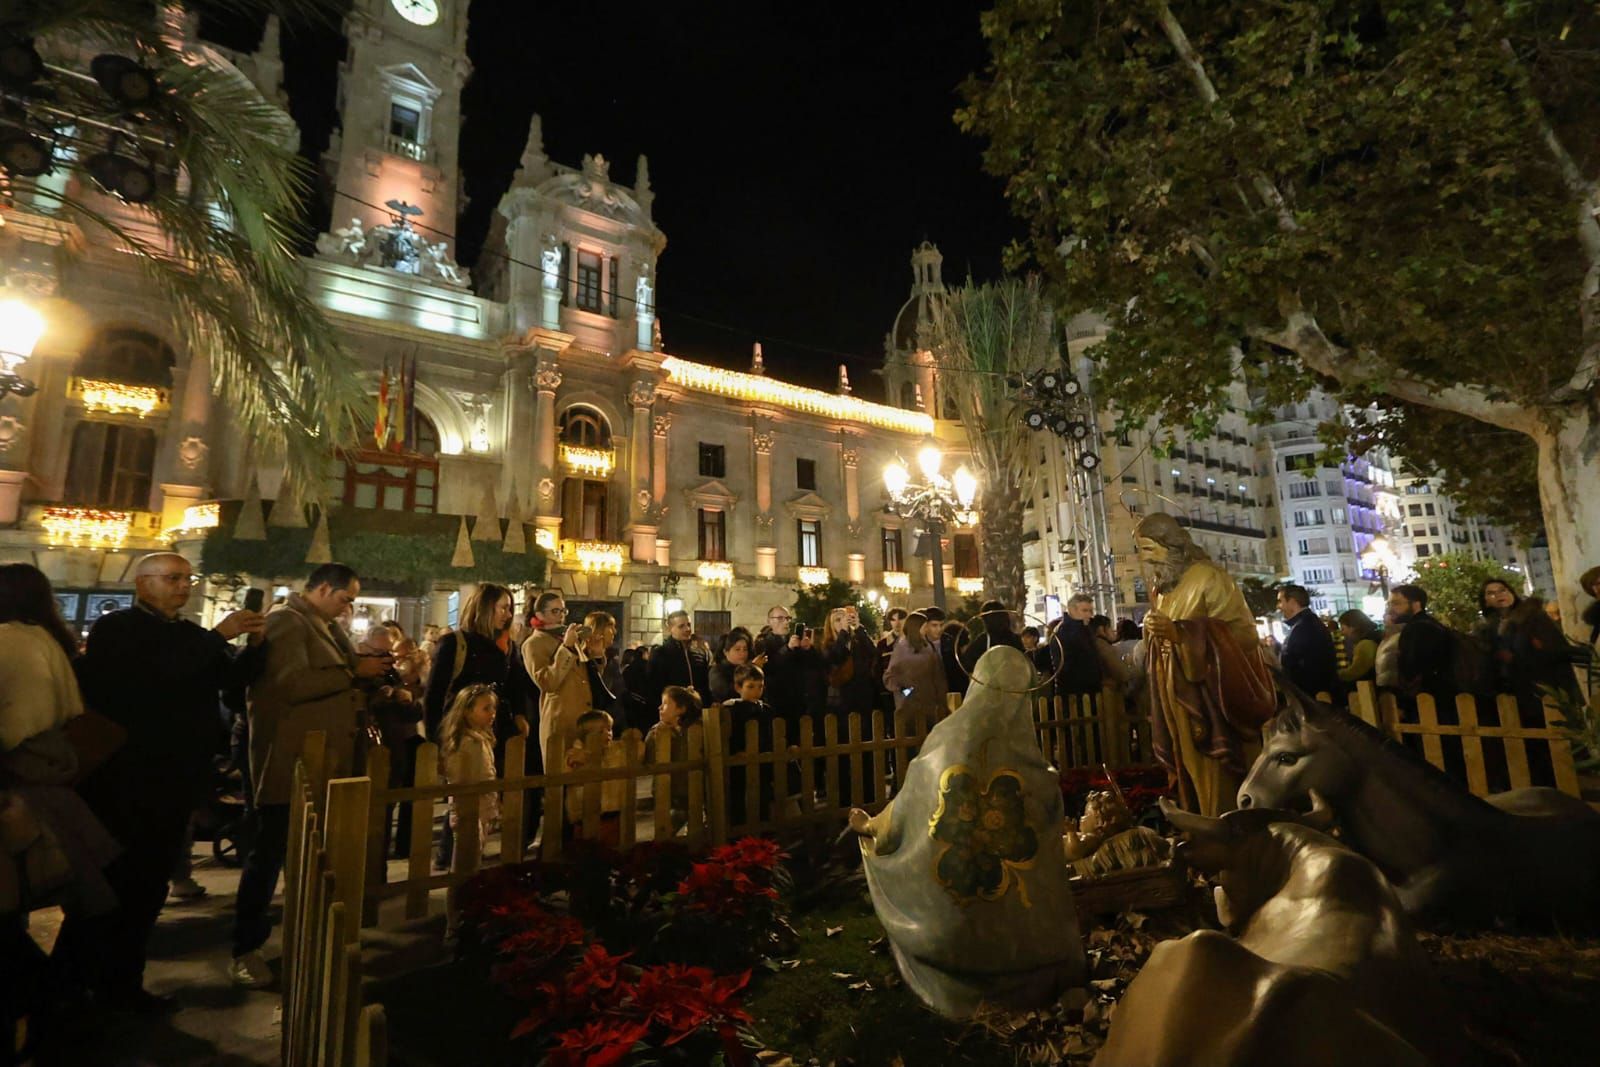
325, 1023
786, 785
1382, 710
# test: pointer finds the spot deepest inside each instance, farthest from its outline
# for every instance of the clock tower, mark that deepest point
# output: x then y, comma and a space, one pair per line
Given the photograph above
400, 115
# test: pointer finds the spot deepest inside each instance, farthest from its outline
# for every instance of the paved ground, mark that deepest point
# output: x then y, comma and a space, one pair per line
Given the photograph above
220, 1025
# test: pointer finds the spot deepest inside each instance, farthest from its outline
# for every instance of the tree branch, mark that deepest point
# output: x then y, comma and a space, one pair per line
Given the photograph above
1302, 335
1264, 188
1587, 197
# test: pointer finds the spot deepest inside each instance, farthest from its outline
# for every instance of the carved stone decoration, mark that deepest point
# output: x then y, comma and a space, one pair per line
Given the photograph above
397, 246
855, 531
764, 523
642, 293
547, 489
10, 431
642, 393
192, 453
850, 456
550, 263
547, 379
641, 500
764, 442
663, 423
597, 167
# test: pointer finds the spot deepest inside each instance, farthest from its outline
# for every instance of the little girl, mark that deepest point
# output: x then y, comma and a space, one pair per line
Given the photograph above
468, 728
680, 709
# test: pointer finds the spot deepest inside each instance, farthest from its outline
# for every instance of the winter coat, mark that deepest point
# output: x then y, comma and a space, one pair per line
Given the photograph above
859, 694
477, 765
1528, 651
563, 683
307, 683
1308, 656
675, 662
922, 672
485, 664
38, 691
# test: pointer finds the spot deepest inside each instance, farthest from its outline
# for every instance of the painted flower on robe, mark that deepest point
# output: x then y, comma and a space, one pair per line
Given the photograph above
984, 832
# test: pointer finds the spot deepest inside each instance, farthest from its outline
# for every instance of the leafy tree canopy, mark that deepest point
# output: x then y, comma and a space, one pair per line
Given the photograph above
813, 602
1383, 198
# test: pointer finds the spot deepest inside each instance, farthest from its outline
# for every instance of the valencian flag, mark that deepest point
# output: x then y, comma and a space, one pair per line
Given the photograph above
398, 421
380, 428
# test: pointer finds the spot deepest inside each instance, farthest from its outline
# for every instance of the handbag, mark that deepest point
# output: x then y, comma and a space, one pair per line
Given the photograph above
95, 738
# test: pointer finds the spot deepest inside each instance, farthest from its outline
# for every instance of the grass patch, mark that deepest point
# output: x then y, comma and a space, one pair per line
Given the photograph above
809, 1013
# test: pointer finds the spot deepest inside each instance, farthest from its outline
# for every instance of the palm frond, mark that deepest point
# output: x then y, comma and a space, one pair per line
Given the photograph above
218, 243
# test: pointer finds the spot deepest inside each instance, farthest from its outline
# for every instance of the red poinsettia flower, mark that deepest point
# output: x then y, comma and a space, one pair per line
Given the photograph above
595, 974
746, 852
681, 999
600, 1043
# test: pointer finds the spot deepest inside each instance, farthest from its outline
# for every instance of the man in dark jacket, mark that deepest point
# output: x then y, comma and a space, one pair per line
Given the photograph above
1308, 656
1072, 649
795, 682
676, 661
1426, 648
158, 675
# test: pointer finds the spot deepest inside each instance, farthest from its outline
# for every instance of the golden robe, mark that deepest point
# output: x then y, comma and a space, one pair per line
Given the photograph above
1210, 690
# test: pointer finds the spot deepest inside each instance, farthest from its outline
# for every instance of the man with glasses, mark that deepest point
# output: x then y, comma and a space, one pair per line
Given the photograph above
158, 675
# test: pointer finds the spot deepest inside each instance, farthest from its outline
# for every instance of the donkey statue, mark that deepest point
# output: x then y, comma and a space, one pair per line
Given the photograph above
1529, 855
1319, 964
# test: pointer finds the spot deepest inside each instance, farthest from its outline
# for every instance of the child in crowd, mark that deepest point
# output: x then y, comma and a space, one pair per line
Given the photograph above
750, 683
593, 734
680, 709
468, 729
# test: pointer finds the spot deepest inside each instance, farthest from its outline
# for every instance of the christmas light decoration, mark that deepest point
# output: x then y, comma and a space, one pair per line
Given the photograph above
897, 581
117, 398
545, 539
594, 462
969, 586
762, 390
595, 557
715, 572
86, 526
197, 517
813, 575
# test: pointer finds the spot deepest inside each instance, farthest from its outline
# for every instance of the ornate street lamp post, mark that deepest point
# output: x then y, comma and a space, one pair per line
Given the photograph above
20, 328
1376, 558
936, 502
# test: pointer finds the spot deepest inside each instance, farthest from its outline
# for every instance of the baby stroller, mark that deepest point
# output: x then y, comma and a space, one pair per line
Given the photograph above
224, 818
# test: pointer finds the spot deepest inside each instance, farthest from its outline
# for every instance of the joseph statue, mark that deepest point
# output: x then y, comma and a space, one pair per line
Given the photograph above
1210, 690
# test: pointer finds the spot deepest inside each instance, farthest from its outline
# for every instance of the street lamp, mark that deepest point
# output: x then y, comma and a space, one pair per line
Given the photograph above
935, 502
21, 326
1376, 557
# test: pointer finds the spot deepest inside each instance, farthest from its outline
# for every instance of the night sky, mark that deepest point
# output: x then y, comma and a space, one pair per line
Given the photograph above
798, 154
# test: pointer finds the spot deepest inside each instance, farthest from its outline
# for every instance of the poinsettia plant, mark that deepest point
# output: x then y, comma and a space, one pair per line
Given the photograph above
1140, 785
691, 927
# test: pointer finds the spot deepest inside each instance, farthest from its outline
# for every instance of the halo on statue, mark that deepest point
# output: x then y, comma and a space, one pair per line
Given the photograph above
1028, 619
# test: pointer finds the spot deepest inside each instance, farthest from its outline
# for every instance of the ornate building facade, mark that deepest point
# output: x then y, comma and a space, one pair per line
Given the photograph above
538, 397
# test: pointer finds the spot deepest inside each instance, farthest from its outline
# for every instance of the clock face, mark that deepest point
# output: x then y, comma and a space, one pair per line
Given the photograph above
420, 12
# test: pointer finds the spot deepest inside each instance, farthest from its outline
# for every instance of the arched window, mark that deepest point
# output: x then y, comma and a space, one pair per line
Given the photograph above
127, 356
111, 465
585, 427
405, 480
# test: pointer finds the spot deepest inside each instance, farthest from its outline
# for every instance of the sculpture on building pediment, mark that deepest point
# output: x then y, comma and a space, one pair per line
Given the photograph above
192, 453
350, 242
10, 431
642, 393
642, 293
663, 423
655, 336
597, 167
437, 262
399, 246
641, 500
764, 440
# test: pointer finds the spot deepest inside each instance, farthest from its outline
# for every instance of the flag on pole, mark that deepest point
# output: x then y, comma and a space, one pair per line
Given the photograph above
400, 422
380, 428
411, 404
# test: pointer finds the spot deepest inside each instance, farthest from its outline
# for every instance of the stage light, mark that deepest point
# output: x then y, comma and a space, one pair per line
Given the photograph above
24, 155
125, 81
20, 65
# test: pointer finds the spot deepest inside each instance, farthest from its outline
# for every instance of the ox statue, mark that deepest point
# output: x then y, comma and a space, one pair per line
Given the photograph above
966, 866
1529, 855
1322, 967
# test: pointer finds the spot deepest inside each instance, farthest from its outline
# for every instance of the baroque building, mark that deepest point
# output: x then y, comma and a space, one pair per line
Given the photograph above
535, 399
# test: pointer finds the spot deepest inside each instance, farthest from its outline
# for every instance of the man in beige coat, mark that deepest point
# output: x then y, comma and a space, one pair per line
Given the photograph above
311, 681
556, 665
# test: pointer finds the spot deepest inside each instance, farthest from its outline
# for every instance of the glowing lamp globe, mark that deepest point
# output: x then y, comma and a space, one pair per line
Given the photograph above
966, 484
930, 459
895, 478
21, 326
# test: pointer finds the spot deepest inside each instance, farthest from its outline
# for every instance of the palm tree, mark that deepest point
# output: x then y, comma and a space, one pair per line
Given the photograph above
216, 237
985, 338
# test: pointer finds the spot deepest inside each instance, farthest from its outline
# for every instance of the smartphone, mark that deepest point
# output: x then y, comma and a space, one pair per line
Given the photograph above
254, 599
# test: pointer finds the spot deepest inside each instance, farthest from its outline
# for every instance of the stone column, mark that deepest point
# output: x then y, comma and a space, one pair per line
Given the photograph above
852, 484
11, 494
642, 513
175, 497
521, 427
546, 380
858, 567
766, 551
658, 441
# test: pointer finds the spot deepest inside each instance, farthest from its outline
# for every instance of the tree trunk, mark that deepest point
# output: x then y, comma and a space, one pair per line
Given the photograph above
1569, 489
1001, 516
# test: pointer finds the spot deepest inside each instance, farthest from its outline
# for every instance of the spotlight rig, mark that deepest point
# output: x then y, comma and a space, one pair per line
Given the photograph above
1056, 402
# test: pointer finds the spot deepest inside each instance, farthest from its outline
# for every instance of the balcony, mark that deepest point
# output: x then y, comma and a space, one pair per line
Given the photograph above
118, 398
897, 581
1220, 527
588, 462
407, 149
84, 527
812, 575
715, 572
594, 557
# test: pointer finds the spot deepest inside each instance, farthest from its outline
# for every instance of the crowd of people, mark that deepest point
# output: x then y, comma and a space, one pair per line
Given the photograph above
108, 747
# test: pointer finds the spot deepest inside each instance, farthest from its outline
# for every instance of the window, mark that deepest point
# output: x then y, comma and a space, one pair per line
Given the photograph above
1317, 545
614, 272
405, 122
1338, 515
713, 535
583, 510
1305, 548
810, 535
111, 465
566, 273
1428, 509
391, 481
714, 462
805, 473
1424, 550
1316, 574
588, 280
964, 549
127, 356
586, 427
893, 556
1413, 509
1433, 529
